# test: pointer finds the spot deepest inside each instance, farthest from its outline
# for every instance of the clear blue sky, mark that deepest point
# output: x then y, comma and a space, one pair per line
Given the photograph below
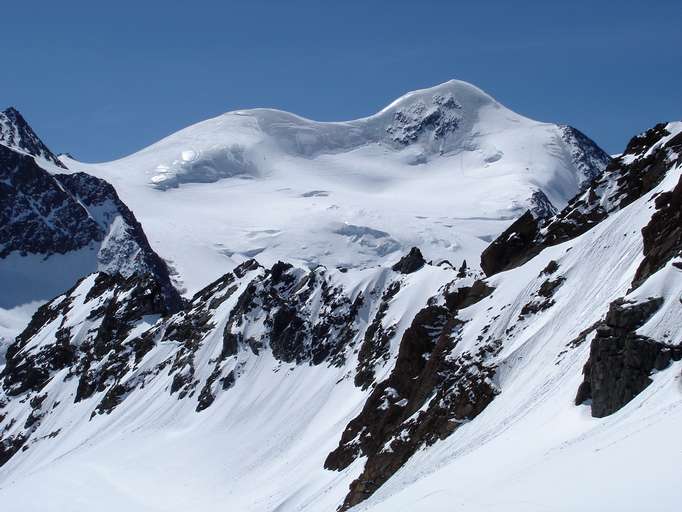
103, 79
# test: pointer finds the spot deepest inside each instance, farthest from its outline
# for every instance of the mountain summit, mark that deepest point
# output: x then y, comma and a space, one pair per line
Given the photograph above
443, 168
17, 134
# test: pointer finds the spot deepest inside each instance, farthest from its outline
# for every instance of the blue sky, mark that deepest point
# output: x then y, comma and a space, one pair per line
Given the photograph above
103, 79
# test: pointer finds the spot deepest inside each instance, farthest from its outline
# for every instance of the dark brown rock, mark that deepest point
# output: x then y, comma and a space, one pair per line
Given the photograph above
512, 247
621, 361
376, 341
426, 397
662, 237
411, 262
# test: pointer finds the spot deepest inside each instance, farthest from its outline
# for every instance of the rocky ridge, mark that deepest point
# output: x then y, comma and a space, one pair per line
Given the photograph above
47, 214
632, 174
17, 134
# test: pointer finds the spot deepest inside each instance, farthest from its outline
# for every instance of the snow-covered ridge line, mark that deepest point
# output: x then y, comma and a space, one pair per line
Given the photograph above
364, 130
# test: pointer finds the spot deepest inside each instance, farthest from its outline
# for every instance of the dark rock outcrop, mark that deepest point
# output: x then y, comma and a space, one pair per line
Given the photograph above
417, 121
297, 314
588, 158
512, 247
465, 296
541, 207
375, 344
117, 303
48, 214
621, 361
130, 252
83, 334
429, 393
542, 298
36, 214
662, 237
411, 262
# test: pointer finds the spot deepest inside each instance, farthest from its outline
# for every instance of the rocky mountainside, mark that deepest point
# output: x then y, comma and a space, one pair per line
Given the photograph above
635, 172
412, 385
56, 228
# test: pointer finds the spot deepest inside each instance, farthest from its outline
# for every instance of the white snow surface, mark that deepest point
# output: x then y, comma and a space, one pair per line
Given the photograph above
444, 168
261, 445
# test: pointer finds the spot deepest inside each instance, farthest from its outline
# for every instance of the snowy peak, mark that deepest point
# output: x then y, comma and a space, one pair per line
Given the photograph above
444, 168
462, 92
17, 134
449, 119
432, 115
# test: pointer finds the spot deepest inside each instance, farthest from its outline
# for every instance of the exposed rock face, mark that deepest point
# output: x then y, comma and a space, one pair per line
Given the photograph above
375, 345
49, 214
36, 214
300, 316
541, 207
636, 172
114, 305
125, 248
16, 133
430, 392
411, 262
543, 297
588, 158
282, 296
84, 335
465, 296
89, 334
620, 360
191, 326
434, 120
512, 246
663, 235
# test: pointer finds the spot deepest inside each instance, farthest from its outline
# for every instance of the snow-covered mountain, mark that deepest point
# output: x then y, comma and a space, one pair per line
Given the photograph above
552, 383
444, 168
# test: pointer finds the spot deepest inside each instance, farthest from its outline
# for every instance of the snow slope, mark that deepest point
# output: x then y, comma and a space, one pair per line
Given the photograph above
443, 168
534, 447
